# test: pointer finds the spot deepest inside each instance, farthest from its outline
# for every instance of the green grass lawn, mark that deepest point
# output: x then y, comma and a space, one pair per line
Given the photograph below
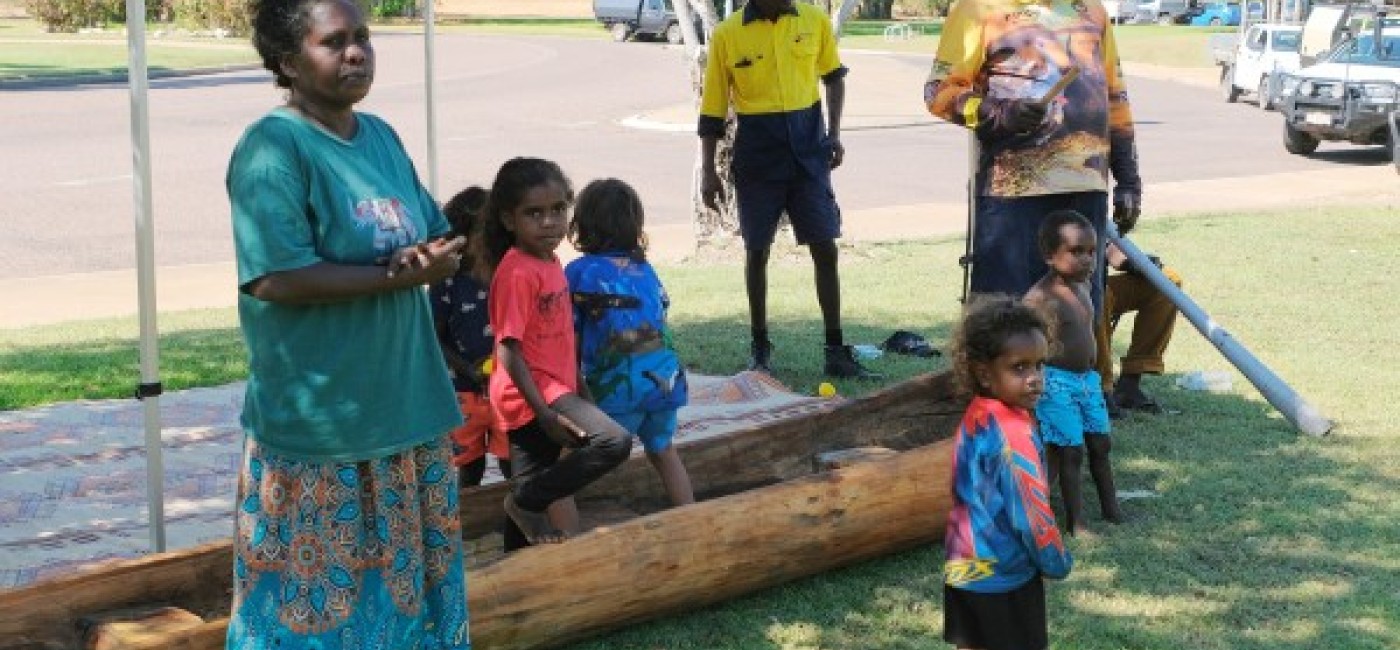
27, 51
1260, 538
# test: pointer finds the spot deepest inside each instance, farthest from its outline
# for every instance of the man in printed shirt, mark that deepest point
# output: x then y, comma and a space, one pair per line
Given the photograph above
766, 60
996, 60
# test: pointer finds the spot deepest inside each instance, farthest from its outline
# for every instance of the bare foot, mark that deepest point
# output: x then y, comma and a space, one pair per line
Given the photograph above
534, 525
1084, 534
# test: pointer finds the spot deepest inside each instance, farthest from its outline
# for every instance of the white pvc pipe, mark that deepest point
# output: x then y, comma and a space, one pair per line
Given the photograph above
1301, 414
145, 266
429, 43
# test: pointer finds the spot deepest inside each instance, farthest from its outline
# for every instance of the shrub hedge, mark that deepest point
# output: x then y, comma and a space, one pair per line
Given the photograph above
231, 16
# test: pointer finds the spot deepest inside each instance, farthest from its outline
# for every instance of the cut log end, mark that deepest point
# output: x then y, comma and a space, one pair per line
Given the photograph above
133, 628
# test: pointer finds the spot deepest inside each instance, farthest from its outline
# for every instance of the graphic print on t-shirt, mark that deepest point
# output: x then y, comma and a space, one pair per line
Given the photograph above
393, 225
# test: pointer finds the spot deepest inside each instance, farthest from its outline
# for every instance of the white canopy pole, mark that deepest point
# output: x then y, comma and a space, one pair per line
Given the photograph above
429, 43
148, 391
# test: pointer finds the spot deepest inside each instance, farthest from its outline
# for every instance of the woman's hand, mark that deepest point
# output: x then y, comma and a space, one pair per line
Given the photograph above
432, 260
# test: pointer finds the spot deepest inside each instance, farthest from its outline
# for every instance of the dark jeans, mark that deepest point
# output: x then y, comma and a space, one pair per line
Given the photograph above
542, 477
1006, 255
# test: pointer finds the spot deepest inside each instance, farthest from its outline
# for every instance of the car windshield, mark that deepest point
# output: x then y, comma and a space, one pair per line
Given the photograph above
1363, 50
1287, 41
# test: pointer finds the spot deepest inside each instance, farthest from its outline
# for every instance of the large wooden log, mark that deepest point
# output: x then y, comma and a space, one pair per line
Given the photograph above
195, 579
680, 559
677, 560
908, 414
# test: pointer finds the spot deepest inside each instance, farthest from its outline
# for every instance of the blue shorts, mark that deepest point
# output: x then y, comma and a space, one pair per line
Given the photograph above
1071, 406
809, 202
1006, 254
654, 429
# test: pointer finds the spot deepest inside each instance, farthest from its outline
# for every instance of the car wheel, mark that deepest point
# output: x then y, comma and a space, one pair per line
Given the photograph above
1227, 85
1297, 142
1395, 152
674, 36
1266, 99
1214, 22
620, 32
1395, 140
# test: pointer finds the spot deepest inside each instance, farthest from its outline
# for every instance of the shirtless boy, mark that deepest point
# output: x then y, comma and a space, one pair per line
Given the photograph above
1071, 412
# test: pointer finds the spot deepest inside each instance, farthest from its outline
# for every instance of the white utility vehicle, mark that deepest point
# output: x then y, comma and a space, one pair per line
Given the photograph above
1255, 63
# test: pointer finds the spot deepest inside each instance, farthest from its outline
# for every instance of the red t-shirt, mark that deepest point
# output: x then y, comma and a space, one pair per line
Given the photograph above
529, 302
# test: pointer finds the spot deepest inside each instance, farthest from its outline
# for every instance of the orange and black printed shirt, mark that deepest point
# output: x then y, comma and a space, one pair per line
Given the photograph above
1018, 49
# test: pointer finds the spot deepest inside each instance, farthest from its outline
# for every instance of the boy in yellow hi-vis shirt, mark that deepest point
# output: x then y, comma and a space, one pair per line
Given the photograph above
766, 61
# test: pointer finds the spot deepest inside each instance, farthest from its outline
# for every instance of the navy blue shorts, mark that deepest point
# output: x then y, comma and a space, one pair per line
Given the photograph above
1006, 256
810, 204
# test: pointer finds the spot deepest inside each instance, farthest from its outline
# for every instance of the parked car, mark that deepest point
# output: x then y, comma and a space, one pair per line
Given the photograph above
1255, 63
1351, 96
1120, 11
1224, 14
1217, 14
643, 19
1162, 12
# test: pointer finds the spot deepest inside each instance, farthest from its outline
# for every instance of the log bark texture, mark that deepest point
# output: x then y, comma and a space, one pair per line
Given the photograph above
901, 417
685, 558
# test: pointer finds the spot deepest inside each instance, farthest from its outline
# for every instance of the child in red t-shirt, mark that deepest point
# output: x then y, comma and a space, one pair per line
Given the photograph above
535, 389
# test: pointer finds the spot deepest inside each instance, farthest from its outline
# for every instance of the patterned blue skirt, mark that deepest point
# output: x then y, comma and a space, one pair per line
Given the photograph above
353, 556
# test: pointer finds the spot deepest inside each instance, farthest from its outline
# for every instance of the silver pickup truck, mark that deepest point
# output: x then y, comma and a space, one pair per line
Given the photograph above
1350, 95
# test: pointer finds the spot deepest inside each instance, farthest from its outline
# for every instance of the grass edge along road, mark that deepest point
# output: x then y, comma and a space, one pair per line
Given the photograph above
1257, 537
27, 52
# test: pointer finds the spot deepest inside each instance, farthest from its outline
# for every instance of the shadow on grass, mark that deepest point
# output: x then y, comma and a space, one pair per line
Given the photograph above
109, 368
1256, 539
721, 347
1254, 542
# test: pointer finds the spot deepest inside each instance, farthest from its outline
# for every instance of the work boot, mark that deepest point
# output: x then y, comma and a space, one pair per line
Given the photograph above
841, 363
1115, 412
760, 354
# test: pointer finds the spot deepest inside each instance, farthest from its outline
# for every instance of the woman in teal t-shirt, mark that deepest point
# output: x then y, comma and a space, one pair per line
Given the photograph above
347, 529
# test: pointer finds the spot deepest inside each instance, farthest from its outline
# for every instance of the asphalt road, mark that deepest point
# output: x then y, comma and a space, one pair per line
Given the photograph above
67, 155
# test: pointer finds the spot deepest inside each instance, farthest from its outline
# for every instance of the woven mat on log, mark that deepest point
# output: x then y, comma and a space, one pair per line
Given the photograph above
73, 475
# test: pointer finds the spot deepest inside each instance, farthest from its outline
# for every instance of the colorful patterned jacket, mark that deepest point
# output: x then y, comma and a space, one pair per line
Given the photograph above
1001, 531
994, 51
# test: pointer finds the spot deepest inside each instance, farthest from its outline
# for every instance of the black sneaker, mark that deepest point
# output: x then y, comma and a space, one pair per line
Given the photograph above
841, 363
760, 354
1115, 412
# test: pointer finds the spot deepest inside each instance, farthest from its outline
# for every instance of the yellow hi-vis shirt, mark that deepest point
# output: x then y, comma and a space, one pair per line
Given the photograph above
766, 66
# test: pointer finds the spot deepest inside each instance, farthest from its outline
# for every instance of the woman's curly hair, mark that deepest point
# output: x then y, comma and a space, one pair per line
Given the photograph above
988, 322
278, 29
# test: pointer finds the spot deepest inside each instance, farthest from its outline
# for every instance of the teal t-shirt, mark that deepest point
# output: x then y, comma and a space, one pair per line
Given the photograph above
347, 380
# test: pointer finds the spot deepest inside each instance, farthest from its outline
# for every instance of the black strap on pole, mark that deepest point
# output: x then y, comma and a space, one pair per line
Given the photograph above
149, 390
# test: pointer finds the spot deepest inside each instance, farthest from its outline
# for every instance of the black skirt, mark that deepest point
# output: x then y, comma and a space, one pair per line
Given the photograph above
1014, 620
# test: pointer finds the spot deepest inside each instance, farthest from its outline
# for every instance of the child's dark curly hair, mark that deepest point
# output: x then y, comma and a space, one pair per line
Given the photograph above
463, 211
609, 218
1049, 237
988, 323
